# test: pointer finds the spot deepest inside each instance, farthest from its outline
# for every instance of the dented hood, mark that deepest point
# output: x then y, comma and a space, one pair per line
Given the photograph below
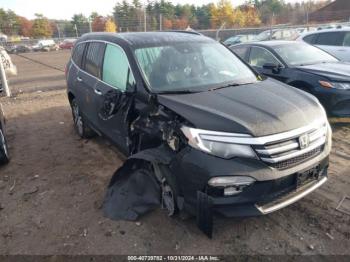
259, 109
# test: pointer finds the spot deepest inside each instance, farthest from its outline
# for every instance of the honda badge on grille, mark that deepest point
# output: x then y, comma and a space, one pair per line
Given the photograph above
304, 141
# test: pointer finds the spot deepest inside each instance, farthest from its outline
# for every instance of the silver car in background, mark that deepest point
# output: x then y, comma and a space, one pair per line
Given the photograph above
334, 41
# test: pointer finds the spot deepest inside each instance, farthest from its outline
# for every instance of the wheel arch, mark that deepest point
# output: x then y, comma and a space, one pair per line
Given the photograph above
71, 96
302, 85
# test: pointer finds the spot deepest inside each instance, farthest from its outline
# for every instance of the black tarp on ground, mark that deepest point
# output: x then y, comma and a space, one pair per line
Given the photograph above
134, 189
131, 193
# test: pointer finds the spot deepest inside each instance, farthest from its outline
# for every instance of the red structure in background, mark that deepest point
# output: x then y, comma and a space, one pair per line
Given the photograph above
339, 11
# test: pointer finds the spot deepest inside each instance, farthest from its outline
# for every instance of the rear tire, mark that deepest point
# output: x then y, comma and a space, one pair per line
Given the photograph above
4, 156
81, 127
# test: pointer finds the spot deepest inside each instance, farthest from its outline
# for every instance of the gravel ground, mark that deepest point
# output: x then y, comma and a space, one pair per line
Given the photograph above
52, 190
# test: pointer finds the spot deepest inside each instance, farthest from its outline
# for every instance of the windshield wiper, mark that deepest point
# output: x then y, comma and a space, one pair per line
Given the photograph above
186, 91
228, 85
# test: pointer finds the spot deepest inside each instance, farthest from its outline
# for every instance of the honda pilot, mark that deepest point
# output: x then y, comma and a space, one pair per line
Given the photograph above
209, 134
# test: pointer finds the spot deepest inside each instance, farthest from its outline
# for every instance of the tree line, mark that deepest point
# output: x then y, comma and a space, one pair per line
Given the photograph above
162, 15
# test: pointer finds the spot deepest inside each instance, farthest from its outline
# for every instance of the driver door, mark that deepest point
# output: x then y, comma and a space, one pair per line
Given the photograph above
260, 56
112, 100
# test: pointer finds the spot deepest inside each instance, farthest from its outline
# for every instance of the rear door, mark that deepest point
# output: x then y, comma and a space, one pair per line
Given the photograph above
332, 42
112, 99
73, 80
89, 77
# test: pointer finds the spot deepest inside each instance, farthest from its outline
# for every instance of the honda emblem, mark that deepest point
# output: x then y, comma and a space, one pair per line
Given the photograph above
304, 141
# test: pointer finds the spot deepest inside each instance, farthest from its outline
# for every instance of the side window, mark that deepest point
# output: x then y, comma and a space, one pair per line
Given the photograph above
241, 51
310, 39
93, 58
331, 38
78, 54
277, 35
260, 56
347, 39
116, 70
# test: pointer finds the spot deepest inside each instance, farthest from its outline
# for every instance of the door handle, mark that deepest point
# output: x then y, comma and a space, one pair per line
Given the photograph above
79, 79
98, 92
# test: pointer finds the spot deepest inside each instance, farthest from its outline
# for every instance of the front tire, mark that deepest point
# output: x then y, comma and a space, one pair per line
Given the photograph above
4, 156
81, 127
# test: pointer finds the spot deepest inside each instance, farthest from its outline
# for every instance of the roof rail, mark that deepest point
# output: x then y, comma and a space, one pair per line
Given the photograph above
184, 31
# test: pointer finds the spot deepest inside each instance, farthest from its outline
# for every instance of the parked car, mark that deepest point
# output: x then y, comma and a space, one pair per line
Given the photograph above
46, 45
67, 44
16, 49
197, 122
301, 30
333, 41
10, 68
4, 155
3, 38
305, 67
277, 34
237, 39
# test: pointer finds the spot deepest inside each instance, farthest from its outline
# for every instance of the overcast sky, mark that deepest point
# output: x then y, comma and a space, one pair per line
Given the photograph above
64, 9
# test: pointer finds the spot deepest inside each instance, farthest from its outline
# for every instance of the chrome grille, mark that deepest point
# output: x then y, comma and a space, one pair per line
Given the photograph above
293, 150
297, 160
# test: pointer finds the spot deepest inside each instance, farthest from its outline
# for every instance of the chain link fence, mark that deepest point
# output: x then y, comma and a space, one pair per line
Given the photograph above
287, 32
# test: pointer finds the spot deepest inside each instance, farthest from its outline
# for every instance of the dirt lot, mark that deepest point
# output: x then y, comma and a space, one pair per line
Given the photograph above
51, 192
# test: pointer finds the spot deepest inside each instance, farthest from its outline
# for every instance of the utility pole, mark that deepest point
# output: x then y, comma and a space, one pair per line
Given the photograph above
76, 30
59, 32
4, 79
145, 18
271, 24
218, 31
90, 27
160, 22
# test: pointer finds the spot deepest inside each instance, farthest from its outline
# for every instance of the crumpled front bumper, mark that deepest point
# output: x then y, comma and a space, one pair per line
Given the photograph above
269, 196
273, 189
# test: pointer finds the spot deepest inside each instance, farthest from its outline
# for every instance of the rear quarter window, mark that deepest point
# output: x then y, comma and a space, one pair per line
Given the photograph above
78, 52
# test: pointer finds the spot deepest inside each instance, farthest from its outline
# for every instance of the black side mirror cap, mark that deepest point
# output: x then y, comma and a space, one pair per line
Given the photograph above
276, 68
270, 66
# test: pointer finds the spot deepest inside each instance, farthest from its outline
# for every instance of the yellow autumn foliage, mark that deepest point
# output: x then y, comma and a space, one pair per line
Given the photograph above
110, 26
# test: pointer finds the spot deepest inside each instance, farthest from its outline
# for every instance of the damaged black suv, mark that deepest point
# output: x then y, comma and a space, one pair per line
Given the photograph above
203, 131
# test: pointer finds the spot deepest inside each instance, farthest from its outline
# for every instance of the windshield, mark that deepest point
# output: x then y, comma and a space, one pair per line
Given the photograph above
192, 66
303, 54
233, 39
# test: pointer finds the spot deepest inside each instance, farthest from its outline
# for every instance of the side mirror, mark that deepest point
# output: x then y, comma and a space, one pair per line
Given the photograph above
271, 66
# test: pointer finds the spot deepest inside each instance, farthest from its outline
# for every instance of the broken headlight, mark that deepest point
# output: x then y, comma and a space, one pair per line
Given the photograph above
219, 144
